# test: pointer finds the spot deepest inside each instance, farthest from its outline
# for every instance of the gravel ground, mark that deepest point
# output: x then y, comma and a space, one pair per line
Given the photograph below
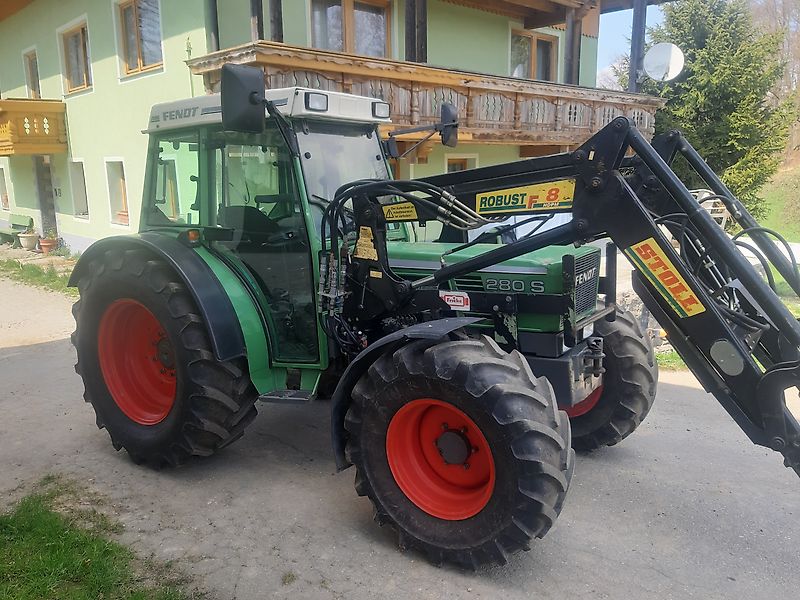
685, 508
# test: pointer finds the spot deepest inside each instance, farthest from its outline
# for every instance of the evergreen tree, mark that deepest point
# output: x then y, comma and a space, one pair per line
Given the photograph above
722, 99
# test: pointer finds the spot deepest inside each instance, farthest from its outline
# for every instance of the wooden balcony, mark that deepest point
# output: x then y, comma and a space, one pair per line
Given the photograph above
493, 109
32, 127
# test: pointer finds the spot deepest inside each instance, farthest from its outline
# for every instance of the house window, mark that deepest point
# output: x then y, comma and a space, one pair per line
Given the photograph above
141, 35
356, 27
117, 192
454, 165
32, 75
3, 190
80, 204
78, 73
533, 56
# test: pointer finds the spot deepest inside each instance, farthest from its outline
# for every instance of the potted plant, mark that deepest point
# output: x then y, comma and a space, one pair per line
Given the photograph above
28, 238
49, 241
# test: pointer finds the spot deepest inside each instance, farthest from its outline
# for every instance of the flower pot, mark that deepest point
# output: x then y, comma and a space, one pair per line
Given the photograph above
28, 240
47, 244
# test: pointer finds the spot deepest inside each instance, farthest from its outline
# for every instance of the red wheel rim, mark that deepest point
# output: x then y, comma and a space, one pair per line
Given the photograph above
137, 362
584, 406
453, 490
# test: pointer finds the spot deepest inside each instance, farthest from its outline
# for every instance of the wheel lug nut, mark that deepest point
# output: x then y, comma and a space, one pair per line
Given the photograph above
445, 427
463, 430
466, 466
474, 449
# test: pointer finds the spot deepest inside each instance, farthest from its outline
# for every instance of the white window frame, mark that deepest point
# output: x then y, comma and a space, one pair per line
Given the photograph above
5, 171
111, 222
66, 28
119, 43
460, 156
88, 217
25, 53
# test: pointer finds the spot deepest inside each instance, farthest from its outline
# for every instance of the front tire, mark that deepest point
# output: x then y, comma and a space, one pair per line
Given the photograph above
629, 386
146, 362
460, 449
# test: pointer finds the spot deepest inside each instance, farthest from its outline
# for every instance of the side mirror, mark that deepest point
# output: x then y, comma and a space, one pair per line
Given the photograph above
242, 95
449, 125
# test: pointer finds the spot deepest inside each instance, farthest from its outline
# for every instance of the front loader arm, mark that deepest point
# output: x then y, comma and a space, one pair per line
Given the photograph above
732, 330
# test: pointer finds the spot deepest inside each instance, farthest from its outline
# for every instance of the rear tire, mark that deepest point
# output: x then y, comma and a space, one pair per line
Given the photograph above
518, 468
629, 385
135, 316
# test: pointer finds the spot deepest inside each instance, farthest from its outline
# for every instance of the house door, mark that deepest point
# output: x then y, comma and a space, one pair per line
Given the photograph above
44, 188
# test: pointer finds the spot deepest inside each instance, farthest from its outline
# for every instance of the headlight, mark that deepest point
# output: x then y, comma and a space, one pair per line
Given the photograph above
380, 110
316, 102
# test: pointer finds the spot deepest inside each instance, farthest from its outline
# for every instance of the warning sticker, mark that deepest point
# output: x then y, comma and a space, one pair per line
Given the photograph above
365, 247
402, 211
551, 195
648, 257
455, 300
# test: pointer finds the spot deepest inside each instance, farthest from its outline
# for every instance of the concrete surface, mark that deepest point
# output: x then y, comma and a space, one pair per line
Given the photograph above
685, 508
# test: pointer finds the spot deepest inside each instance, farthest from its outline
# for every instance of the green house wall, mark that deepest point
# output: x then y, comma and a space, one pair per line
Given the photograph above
105, 122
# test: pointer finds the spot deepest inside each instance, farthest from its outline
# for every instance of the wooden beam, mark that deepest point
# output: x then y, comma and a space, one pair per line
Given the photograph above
544, 19
531, 151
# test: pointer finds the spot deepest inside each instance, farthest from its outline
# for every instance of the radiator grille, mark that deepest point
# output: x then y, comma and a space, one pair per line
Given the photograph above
586, 291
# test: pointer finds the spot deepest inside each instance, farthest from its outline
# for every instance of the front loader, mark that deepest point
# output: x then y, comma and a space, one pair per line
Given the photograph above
260, 274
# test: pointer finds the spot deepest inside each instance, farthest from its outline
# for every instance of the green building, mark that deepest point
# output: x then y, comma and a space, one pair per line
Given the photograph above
78, 78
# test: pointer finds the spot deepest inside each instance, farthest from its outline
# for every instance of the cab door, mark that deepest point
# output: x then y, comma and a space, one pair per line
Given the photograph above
257, 198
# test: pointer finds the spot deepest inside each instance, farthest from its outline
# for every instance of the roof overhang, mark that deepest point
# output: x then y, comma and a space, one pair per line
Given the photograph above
10, 7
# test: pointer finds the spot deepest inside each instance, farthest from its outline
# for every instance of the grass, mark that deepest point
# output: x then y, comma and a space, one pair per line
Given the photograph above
50, 548
781, 199
670, 361
35, 275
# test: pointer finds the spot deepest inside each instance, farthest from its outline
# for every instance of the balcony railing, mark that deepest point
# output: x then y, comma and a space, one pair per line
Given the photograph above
493, 109
32, 127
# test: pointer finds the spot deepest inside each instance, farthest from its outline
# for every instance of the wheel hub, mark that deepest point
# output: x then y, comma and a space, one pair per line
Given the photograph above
165, 354
453, 446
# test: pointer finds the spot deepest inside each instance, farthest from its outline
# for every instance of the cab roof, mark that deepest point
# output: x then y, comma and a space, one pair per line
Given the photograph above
292, 102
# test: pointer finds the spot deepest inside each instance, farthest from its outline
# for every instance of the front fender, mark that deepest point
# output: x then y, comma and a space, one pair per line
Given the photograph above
431, 330
224, 328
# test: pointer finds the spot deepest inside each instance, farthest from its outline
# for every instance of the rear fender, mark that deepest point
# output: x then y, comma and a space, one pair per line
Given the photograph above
432, 330
224, 329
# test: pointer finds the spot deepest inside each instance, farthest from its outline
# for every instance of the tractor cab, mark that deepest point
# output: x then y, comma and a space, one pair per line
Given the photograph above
258, 198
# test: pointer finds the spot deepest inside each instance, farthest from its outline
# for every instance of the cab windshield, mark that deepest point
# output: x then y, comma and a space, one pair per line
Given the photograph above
333, 154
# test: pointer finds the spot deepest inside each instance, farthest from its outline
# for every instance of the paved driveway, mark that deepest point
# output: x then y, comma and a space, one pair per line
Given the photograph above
686, 508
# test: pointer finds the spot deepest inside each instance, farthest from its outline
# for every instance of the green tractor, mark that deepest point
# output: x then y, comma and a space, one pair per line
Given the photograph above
275, 263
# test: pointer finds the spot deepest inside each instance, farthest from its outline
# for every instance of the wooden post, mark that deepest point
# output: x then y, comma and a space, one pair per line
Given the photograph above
572, 52
212, 31
417, 30
256, 20
411, 30
422, 31
637, 44
276, 20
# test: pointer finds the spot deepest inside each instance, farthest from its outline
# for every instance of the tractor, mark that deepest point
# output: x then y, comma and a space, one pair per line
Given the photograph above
273, 264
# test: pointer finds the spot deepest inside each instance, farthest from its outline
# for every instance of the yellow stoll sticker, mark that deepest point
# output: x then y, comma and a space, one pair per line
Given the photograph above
402, 211
648, 257
550, 195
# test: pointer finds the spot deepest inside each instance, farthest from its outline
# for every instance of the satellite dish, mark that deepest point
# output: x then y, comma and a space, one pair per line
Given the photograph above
663, 62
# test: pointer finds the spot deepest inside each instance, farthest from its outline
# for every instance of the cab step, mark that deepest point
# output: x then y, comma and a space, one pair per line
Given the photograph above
287, 397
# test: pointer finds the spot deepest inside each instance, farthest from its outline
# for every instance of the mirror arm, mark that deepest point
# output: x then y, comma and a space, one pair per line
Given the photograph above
288, 134
415, 146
